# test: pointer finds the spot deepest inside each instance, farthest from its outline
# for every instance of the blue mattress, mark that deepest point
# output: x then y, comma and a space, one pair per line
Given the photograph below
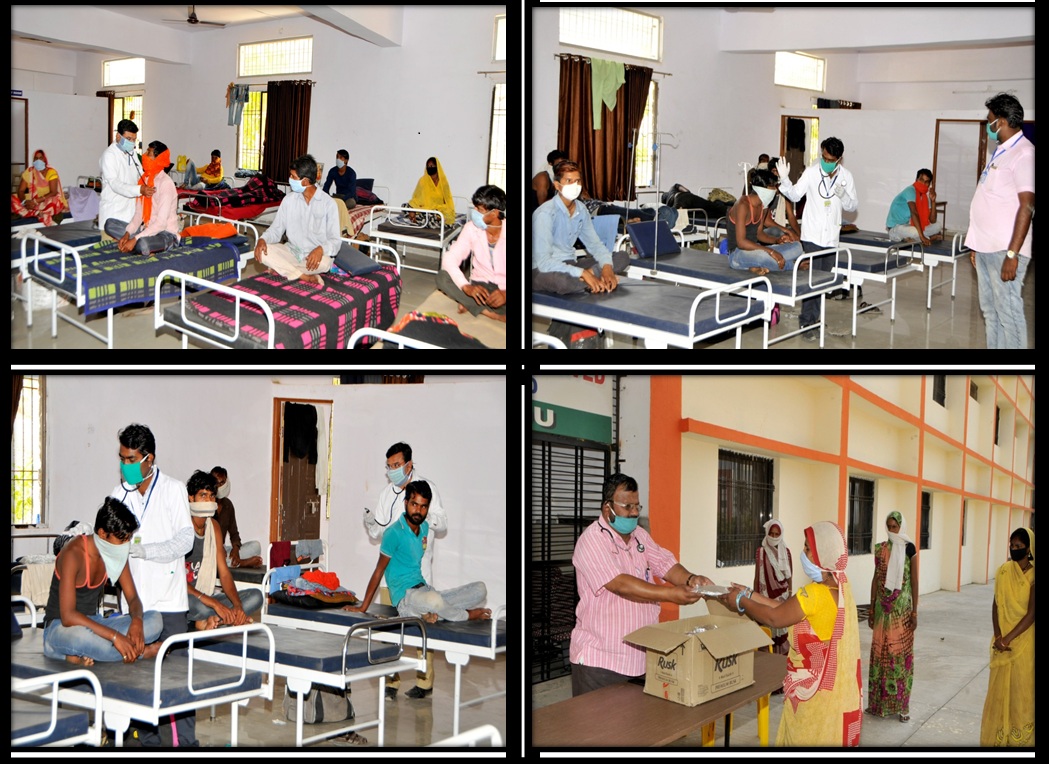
74, 234
477, 633
714, 267
317, 651
880, 239
134, 682
31, 717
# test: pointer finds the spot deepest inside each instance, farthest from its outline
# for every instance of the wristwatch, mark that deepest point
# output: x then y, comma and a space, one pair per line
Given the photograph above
1010, 254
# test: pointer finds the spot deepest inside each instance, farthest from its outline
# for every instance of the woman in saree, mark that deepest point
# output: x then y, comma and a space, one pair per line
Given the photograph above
893, 617
1008, 712
433, 193
822, 692
773, 575
41, 191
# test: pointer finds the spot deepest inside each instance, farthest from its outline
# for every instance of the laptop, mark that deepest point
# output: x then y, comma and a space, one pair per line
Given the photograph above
653, 238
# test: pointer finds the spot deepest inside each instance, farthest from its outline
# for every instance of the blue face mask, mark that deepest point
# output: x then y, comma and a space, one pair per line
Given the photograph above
126, 146
39, 165
398, 475
478, 219
993, 135
623, 525
340, 163
132, 473
828, 167
296, 185
810, 569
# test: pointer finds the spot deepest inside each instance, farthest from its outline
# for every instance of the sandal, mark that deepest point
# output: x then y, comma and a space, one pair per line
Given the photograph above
353, 739
905, 717
874, 309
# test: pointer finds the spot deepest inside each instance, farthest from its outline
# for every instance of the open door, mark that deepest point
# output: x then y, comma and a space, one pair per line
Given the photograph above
300, 468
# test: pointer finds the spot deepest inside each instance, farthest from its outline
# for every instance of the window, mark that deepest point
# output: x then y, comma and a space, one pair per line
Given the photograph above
124, 71
27, 454
293, 56
797, 70
129, 107
252, 132
926, 519
939, 389
973, 391
965, 507
644, 160
500, 39
613, 30
744, 506
997, 422
497, 139
861, 515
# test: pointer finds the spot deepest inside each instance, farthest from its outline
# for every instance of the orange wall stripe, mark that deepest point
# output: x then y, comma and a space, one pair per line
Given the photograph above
664, 470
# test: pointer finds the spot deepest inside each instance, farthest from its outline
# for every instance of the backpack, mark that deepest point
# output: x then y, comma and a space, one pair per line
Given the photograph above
321, 704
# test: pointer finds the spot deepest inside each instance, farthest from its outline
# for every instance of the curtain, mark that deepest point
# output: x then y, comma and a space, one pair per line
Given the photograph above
16, 395
603, 155
287, 126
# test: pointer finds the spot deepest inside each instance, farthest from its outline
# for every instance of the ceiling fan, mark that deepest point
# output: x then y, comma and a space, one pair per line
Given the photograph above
192, 19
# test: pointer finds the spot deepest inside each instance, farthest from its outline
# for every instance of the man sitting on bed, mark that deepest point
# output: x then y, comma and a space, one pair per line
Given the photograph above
400, 558
246, 555
311, 220
154, 226
483, 242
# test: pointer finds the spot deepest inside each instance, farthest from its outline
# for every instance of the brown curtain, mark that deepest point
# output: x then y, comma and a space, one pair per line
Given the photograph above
109, 95
287, 126
16, 395
603, 155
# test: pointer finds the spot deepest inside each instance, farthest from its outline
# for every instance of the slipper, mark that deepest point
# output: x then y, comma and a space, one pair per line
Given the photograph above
353, 739
904, 718
875, 309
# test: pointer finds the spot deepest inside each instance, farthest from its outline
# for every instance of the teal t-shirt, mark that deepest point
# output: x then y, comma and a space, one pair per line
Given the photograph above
899, 210
405, 551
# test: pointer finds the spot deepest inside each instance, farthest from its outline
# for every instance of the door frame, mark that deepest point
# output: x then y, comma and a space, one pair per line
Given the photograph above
277, 455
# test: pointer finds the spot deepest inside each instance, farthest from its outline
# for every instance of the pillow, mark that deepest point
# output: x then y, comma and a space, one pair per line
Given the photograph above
279, 575
315, 602
355, 262
365, 183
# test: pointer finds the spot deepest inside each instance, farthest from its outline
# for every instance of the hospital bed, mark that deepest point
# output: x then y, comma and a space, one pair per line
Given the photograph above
98, 278
259, 196
459, 641
38, 720
383, 227
538, 338
485, 733
422, 329
932, 255
884, 267
268, 311
149, 691
702, 269
307, 658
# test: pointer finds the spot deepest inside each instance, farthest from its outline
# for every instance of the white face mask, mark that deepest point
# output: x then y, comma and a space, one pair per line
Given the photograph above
572, 191
766, 195
114, 556
223, 491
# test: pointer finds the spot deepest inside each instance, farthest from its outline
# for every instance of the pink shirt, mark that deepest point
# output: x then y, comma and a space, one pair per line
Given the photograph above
164, 214
995, 203
489, 265
604, 618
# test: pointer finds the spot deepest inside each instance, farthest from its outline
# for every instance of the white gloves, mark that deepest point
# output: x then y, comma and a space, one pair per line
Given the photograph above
137, 551
783, 168
839, 189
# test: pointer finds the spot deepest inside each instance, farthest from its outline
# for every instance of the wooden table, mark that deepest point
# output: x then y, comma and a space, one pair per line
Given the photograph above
623, 715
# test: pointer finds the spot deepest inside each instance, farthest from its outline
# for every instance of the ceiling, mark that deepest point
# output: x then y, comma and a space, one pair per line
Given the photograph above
225, 14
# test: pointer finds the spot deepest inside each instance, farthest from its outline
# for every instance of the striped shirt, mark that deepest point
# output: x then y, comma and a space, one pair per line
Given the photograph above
604, 618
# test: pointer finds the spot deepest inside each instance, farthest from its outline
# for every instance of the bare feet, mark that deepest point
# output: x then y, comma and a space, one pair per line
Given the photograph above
206, 624
151, 651
314, 279
430, 617
81, 660
480, 614
804, 266
758, 270
462, 308
493, 315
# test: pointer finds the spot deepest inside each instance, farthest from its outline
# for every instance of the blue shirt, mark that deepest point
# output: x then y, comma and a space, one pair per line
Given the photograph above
405, 551
345, 185
554, 234
899, 210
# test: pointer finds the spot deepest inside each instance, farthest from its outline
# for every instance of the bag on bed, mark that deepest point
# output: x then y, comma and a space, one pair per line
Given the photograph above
321, 704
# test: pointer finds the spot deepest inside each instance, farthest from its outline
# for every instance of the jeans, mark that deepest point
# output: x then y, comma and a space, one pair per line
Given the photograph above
250, 600
60, 641
449, 287
144, 245
742, 259
810, 306
901, 232
556, 282
1000, 301
450, 604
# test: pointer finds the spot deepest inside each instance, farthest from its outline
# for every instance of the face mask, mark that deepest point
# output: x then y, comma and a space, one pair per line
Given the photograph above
828, 167
810, 569
431, 170
296, 185
126, 146
132, 473
114, 556
993, 134
1018, 554
223, 491
774, 540
478, 219
623, 524
39, 164
339, 163
572, 191
203, 508
398, 475
766, 195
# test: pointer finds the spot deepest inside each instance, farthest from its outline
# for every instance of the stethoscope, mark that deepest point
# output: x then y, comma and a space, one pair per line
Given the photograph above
823, 185
393, 504
615, 547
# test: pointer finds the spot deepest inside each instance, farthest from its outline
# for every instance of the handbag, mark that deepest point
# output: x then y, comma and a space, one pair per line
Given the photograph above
321, 704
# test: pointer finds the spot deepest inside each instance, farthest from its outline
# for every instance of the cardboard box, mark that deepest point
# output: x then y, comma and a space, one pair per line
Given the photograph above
693, 668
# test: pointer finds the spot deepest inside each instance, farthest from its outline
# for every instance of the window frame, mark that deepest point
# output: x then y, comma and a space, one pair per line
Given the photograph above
823, 71
861, 525
241, 46
734, 547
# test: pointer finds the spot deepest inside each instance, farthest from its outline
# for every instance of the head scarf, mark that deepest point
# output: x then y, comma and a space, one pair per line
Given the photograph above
827, 545
898, 555
151, 168
206, 574
37, 180
428, 196
776, 550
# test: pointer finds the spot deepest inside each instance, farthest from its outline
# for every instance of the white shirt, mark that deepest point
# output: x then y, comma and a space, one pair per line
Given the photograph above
821, 220
166, 531
308, 225
391, 506
121, 173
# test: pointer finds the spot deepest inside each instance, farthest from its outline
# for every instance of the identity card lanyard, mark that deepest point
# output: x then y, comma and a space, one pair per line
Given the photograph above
823, 184
149, 495
1000, 150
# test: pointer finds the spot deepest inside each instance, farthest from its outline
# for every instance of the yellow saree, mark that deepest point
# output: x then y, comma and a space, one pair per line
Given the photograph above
428, 196
1008, 712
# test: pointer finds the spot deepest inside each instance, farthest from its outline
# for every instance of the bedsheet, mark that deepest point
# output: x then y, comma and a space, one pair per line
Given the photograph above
255, 197
306, 315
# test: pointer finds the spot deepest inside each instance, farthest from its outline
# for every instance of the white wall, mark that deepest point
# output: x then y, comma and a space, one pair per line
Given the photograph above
456, 430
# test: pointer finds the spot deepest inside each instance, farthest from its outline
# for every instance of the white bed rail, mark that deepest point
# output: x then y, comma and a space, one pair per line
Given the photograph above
32, 610
93, 736
470, 738
385, 336
538, 338
200, 330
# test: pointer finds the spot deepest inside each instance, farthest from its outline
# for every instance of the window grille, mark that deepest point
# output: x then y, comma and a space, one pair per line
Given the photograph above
861, 516
27, 455
939, 389
745, 490
797, 70
926, 519
497, 139
628, 33
252, 132
294, 56
500, 39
